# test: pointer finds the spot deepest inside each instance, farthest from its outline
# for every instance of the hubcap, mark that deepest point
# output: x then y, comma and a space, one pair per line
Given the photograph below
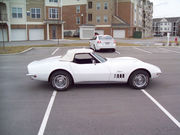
140, 80
60, 81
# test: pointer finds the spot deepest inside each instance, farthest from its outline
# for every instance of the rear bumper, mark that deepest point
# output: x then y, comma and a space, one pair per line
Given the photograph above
99, 47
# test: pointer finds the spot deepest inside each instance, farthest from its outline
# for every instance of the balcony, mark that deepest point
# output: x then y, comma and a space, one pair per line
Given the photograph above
3, 17
3, 12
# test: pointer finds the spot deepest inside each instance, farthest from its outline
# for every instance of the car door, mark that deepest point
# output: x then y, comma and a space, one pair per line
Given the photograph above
88, 71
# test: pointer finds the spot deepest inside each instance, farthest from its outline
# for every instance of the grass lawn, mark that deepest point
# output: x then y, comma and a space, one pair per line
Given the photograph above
18, 49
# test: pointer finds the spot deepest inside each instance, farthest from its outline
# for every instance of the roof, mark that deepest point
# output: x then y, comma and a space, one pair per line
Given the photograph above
69, 56
169, 19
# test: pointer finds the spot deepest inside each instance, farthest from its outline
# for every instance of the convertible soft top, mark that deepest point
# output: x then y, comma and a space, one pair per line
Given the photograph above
69, 56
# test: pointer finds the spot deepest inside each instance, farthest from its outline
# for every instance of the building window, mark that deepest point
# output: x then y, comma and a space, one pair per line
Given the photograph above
90, 5
78, 20
89, 17
98, 19
98, 5
53, 13
35, 13
77, 9
53, 0
105, 19
135, 22
16, 12
106, 5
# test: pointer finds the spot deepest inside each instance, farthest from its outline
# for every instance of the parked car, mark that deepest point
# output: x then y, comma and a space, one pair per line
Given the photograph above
99, 42
84, 66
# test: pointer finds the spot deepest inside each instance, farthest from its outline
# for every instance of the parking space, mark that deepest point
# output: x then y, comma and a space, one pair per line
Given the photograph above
90, 109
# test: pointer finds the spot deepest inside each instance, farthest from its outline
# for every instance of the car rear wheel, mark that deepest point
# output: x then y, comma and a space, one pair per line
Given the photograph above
61, 80
139, 79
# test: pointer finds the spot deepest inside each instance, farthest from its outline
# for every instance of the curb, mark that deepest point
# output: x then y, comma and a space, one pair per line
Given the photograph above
29, 49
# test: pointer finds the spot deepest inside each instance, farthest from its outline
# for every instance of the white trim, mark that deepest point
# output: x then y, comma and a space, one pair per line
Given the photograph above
36, 23
103, 25
47, 31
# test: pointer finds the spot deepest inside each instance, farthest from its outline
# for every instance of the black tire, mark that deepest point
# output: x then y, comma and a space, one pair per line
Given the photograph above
61, 80
113, 50
139, 79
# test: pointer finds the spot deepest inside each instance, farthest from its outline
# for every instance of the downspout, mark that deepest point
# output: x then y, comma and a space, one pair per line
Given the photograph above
62, 25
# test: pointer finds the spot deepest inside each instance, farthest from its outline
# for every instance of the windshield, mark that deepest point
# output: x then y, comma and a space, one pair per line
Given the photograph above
105, 38
100, 58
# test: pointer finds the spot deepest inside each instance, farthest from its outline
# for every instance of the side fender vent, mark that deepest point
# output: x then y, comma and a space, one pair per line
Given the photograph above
119, 76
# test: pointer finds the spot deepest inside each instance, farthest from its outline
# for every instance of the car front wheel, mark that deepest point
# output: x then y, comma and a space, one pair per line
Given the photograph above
139, 79
61, 80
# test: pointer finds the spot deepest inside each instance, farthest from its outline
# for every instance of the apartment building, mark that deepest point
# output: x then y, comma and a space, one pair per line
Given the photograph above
49, 19
162, 26
121, 18
40, 19
147, 19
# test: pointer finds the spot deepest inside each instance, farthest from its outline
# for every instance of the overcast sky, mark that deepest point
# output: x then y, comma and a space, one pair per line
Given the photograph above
166, 8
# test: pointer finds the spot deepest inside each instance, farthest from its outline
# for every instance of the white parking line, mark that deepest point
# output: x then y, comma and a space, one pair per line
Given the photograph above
142, 50
55, 51
169, 50
46, 116
162, 108
117, 52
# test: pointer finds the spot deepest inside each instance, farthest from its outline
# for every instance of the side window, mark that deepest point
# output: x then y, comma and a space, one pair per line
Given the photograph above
84, 58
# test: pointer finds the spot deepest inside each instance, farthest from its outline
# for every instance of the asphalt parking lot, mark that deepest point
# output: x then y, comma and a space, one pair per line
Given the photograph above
30, 107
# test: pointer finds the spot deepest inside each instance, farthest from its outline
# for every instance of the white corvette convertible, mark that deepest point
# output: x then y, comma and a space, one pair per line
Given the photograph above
79, 66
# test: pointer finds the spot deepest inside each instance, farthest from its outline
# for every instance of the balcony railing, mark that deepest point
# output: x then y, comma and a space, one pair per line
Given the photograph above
3, 17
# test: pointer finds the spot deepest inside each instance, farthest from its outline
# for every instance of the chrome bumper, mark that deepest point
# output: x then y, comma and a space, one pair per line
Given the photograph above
32, 76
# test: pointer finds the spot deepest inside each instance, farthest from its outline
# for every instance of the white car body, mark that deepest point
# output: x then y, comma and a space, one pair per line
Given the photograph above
99, 42
112, 70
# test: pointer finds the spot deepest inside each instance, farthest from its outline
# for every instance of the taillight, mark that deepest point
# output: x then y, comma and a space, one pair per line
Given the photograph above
114, 41
98, 41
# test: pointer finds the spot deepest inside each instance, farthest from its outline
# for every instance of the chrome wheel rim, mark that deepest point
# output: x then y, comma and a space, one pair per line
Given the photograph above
60, 81
140, 80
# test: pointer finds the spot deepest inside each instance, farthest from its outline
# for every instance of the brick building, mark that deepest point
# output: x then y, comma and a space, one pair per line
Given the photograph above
49, 19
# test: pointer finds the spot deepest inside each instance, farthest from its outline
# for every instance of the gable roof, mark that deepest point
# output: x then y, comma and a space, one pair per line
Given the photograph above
170, 19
